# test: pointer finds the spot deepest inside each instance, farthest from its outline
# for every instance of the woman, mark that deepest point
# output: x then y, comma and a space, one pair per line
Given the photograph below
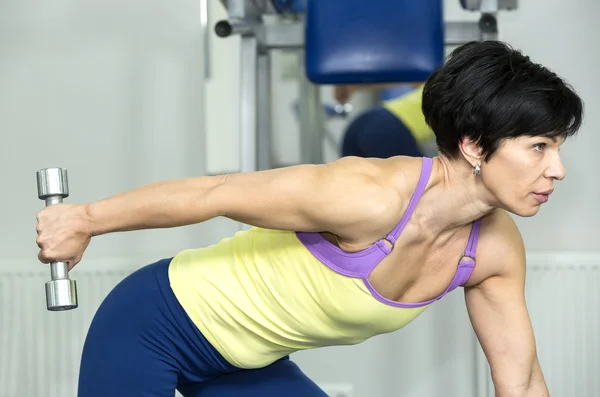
339, 252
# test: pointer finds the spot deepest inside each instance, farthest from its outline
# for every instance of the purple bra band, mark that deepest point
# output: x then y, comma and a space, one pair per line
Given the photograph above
360, 264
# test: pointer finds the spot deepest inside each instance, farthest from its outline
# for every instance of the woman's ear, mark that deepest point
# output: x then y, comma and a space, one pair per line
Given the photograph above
471, 151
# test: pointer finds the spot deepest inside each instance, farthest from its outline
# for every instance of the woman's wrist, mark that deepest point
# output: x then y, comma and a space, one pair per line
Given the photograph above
92, 218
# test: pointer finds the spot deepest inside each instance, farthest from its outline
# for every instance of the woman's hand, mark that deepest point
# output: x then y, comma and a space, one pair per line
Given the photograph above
64, 232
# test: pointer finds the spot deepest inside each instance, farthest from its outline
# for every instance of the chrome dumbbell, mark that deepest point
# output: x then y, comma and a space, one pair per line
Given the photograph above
61, 292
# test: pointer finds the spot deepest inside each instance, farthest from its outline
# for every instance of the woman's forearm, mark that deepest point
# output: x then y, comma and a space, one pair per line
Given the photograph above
536, 387
164, 204
537, 384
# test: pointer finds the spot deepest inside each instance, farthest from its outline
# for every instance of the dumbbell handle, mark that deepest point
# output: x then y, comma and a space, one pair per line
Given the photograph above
58, 270
61, 292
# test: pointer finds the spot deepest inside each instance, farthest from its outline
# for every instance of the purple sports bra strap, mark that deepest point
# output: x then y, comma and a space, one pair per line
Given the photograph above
421, 185
472, 244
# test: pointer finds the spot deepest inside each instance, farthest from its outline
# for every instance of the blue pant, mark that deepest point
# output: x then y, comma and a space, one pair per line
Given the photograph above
378, 133
141, 343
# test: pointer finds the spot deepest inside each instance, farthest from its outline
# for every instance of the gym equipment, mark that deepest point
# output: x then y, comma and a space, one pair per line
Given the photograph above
489, 5
386, 41
350, 42
61, 292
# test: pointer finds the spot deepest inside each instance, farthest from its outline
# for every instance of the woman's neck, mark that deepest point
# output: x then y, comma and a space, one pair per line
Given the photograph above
454, 197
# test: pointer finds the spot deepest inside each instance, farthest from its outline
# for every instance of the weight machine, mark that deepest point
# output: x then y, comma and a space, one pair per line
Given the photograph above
339, 42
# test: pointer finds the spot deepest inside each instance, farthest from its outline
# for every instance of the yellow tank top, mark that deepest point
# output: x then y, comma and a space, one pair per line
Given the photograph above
408, 109
261, 295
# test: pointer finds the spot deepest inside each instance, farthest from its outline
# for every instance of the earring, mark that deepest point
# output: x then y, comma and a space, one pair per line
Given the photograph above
476, 170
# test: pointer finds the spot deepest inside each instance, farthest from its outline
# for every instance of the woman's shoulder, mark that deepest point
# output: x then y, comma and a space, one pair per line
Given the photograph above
500, 247
399, 173
381, 190
500, 229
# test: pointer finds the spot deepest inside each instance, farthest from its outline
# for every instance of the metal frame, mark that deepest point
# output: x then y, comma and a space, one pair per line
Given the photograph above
263, 110
245, 18
312, 119
204, 11
248, 103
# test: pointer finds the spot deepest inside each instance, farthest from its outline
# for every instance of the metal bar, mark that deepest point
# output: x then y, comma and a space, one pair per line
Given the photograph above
248, 8
491, 5
235, 26
488, 6
312, 119
205, 36
248, 89
509, 5
247, 128
280, 36
236, 8
263, 109
472, 5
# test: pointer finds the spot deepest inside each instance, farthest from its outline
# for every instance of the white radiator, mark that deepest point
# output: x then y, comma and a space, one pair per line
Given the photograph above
563, 297
40, 351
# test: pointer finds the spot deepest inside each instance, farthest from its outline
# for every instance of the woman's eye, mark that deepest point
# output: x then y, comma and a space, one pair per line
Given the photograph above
539, 146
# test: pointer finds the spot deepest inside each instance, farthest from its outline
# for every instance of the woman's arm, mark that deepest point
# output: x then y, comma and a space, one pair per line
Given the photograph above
356, 199
348, 197
500, 318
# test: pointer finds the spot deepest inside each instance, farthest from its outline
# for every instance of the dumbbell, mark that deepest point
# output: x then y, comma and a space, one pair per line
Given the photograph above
61, 292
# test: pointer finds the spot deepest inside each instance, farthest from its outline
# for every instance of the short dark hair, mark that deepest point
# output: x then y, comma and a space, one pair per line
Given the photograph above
488, 91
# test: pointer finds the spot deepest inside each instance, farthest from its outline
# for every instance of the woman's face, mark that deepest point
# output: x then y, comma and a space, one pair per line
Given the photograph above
521, 173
